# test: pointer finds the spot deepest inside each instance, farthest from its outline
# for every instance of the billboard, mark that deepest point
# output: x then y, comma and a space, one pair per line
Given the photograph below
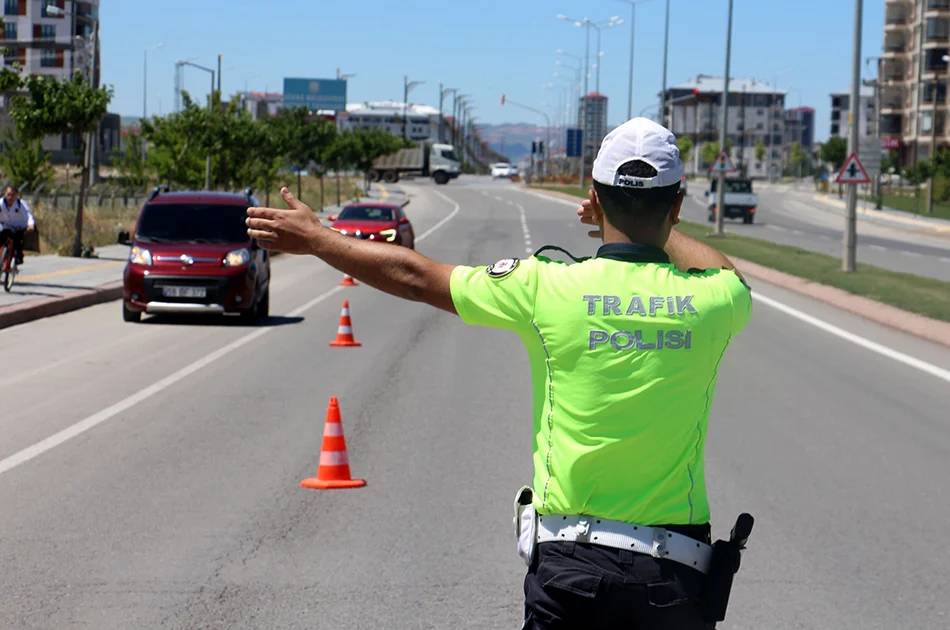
575, 140
315, 94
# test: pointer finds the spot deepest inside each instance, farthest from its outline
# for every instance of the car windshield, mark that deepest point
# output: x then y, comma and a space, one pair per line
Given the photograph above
366, 213
450, 155
735, 185
192, 223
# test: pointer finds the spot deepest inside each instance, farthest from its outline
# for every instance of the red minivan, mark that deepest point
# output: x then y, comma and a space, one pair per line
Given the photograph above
191, 254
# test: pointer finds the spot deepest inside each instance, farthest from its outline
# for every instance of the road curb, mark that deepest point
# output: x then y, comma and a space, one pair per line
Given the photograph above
47, 307
933, 330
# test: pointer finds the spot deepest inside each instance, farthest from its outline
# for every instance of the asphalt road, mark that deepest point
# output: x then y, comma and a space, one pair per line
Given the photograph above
148, 473
794, 217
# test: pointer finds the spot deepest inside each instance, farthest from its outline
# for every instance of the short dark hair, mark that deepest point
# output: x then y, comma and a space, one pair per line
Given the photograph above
633, 210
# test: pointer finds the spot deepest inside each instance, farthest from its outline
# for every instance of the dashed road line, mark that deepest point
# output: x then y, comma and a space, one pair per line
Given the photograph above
911, 254
878, 248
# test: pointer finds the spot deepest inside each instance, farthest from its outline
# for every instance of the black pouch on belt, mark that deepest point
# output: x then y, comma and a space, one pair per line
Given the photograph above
726, 556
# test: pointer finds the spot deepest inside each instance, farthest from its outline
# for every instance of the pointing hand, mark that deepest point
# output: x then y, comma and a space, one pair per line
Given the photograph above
288, 230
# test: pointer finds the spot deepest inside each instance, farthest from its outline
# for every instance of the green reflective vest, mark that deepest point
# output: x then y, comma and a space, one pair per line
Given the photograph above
624, 351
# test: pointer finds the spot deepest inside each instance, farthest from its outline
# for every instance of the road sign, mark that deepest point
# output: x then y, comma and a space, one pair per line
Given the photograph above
722, 164
852, 172
315, 94
575, 141
869, 152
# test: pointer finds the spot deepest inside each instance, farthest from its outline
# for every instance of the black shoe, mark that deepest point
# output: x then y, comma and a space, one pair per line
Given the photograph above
19, 260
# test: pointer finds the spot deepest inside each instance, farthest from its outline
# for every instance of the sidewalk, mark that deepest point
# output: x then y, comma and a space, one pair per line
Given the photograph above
49, 285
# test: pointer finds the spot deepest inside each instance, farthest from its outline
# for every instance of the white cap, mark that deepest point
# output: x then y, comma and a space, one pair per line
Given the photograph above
644, 140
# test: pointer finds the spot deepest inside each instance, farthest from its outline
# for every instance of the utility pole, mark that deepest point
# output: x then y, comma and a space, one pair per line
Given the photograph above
405, 103
633, 20
666, 50
724, 120
849, 244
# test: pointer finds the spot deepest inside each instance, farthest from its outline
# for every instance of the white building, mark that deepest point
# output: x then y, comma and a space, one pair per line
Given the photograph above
262, 104
756, 117
55, 38
43, 40
840, 108
421, 122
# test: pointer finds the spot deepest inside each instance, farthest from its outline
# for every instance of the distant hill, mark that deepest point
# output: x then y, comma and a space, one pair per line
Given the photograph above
512, 140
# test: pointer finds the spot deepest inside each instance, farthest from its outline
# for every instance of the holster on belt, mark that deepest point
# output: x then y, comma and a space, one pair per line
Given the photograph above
526, 524
726, 557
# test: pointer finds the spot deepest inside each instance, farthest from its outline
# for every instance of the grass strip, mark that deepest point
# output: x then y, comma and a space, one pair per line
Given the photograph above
918, 294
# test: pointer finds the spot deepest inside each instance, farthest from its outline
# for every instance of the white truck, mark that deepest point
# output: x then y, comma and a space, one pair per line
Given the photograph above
429, 159
740, 201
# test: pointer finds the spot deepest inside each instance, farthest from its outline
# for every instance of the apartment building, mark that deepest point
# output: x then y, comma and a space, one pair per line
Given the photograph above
756, 117
56, 38
592, 119
913, 76
841, 108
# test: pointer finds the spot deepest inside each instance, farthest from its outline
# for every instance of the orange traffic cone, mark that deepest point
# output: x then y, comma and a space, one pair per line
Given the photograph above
348, 281
334, 468
344, 332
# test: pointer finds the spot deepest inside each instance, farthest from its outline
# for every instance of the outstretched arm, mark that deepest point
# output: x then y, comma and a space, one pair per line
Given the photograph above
396, 270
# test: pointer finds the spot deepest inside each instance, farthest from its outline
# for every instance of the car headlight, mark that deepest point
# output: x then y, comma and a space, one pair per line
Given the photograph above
389, 235
140, 256
237, 258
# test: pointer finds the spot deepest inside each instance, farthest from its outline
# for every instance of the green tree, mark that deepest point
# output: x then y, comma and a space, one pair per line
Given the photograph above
302, 137
178, 144
131, 163
759, 151
685, 145
72, 107
709, 152
796, 157
24, 162
834, 151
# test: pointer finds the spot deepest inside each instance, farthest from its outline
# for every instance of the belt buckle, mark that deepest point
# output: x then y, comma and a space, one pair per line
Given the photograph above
582, 531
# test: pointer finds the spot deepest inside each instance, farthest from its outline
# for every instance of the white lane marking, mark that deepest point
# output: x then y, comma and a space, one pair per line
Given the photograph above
911, 254
944, 259
524, 228
777, 228
873, 346
797, 232
878, 248
35, 450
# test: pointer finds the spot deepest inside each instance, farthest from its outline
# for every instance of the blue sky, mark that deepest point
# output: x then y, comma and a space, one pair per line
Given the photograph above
484, 47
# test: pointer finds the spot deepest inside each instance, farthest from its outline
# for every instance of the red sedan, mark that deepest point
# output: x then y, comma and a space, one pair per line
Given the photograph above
375, 221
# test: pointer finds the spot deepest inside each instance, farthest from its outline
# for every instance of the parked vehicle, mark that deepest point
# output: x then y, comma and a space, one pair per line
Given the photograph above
740, 201
428, 159
376, 221
191, 254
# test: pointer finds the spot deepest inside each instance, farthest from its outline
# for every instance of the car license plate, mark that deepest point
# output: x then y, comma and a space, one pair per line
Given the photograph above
184, 292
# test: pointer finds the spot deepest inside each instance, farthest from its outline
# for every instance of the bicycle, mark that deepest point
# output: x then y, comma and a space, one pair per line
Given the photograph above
8, 266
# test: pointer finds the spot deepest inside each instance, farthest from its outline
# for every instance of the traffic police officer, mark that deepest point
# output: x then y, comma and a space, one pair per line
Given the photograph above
624, 350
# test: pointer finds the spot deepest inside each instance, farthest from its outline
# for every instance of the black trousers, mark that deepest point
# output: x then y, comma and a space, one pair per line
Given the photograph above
17, 236
579, 586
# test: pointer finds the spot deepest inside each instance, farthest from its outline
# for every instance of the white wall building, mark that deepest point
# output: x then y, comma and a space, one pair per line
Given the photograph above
421, 121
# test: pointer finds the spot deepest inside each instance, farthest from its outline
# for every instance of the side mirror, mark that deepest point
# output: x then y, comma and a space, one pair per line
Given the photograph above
404, 221
333, 217
124, 238
705, 193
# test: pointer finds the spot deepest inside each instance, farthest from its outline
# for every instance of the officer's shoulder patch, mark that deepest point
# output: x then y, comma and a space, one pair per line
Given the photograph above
502, 268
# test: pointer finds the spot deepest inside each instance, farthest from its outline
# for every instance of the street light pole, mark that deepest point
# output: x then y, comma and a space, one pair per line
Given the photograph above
849, 243
724, 120
666, 50
407, 86
633, 20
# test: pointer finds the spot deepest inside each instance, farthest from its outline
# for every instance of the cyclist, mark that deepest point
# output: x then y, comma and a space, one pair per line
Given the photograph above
15, 219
